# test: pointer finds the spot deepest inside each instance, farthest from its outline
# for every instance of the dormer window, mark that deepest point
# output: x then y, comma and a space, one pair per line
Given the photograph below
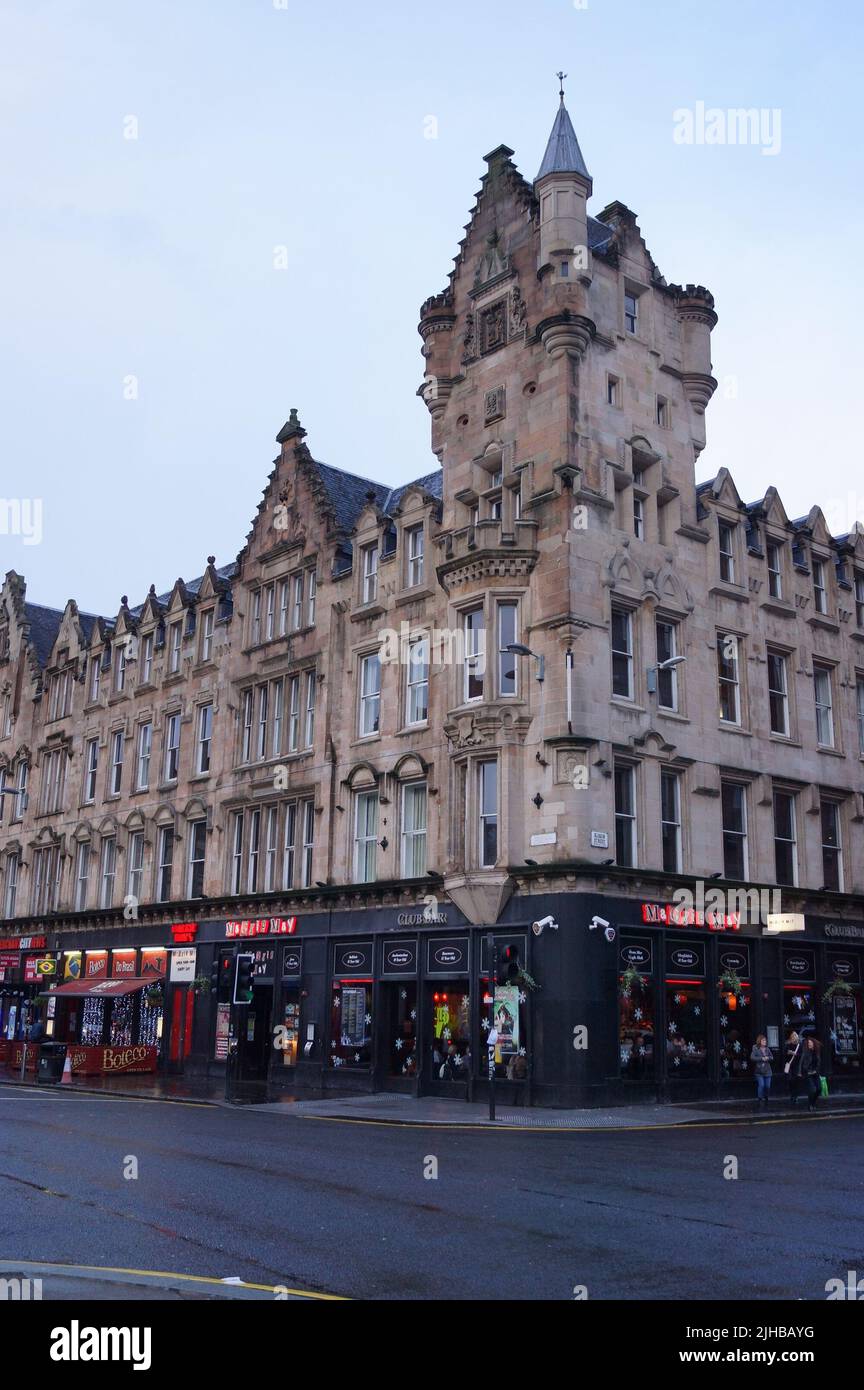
175, 641
414, 557
370, 573
727, 552
631, 312
207, 620
146, 668
95, 675
820, 591
120, 669
775, 569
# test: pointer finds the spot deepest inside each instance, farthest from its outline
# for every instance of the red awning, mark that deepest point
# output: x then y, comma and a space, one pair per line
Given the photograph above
106, 989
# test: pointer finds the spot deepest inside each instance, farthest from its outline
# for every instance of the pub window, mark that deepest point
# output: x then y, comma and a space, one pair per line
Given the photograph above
733, 798
687, 1029
736, 1032
785, 839
351, 1024
636, 1044
832, 848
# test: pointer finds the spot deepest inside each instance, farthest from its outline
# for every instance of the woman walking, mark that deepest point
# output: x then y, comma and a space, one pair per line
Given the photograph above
762, 1057
810, 1069
794, 1057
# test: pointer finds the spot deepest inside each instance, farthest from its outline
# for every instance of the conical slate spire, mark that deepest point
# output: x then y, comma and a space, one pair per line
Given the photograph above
563, 155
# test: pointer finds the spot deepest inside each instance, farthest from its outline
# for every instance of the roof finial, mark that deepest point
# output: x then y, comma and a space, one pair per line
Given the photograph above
561, 76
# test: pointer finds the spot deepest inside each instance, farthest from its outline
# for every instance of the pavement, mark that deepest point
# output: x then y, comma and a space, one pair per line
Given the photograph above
388, 1108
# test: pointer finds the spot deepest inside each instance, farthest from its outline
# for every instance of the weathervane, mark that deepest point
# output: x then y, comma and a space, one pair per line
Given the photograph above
561, 76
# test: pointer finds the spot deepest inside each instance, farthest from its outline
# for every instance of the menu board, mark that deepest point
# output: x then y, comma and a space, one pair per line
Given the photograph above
353, 1016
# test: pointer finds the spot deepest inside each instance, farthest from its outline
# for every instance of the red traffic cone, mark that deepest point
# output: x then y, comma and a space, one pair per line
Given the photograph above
66, 1078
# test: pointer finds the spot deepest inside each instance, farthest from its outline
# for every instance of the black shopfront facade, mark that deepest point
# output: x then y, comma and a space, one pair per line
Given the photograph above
383, 999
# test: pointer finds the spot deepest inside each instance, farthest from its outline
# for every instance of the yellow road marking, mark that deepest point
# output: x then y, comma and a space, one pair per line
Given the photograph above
169, 1274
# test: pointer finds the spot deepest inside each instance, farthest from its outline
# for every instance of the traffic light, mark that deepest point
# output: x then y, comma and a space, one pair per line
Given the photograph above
243, 979
508, 965
215, 972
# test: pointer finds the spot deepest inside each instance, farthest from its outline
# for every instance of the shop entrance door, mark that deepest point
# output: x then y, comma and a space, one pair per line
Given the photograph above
251, 1046
447, 1060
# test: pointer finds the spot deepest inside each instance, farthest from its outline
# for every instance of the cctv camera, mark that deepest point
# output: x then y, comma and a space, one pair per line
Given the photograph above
609, 933
598, 922
539, 927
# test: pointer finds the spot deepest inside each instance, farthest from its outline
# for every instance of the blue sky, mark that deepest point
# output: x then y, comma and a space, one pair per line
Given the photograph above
293, 125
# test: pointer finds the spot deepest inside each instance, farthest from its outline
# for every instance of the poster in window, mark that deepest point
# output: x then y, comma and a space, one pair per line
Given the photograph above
846, 1025
223, 1020
506, 1017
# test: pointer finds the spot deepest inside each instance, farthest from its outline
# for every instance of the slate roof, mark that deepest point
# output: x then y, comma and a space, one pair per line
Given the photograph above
45, 624
349, 493
563, 155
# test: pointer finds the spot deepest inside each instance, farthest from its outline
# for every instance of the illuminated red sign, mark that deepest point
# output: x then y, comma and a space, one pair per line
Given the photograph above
23, 943
184, 932
663, 914
263, 926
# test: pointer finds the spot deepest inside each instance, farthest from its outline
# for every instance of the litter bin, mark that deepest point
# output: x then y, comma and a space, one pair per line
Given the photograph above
52, 1056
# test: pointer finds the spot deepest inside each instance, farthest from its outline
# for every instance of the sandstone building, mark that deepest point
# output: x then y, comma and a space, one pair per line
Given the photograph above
327, 748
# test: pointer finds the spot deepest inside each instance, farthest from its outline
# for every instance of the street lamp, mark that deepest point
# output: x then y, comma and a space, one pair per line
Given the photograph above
519, 649
667, 665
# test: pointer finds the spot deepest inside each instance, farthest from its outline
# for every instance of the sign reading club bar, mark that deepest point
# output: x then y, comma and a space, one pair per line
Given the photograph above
447, 956
399, 958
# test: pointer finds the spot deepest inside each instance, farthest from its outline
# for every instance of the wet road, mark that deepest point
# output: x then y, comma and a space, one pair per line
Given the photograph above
313, 1206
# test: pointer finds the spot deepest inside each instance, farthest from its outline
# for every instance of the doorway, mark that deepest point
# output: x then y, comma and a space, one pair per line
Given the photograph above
447, 1059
